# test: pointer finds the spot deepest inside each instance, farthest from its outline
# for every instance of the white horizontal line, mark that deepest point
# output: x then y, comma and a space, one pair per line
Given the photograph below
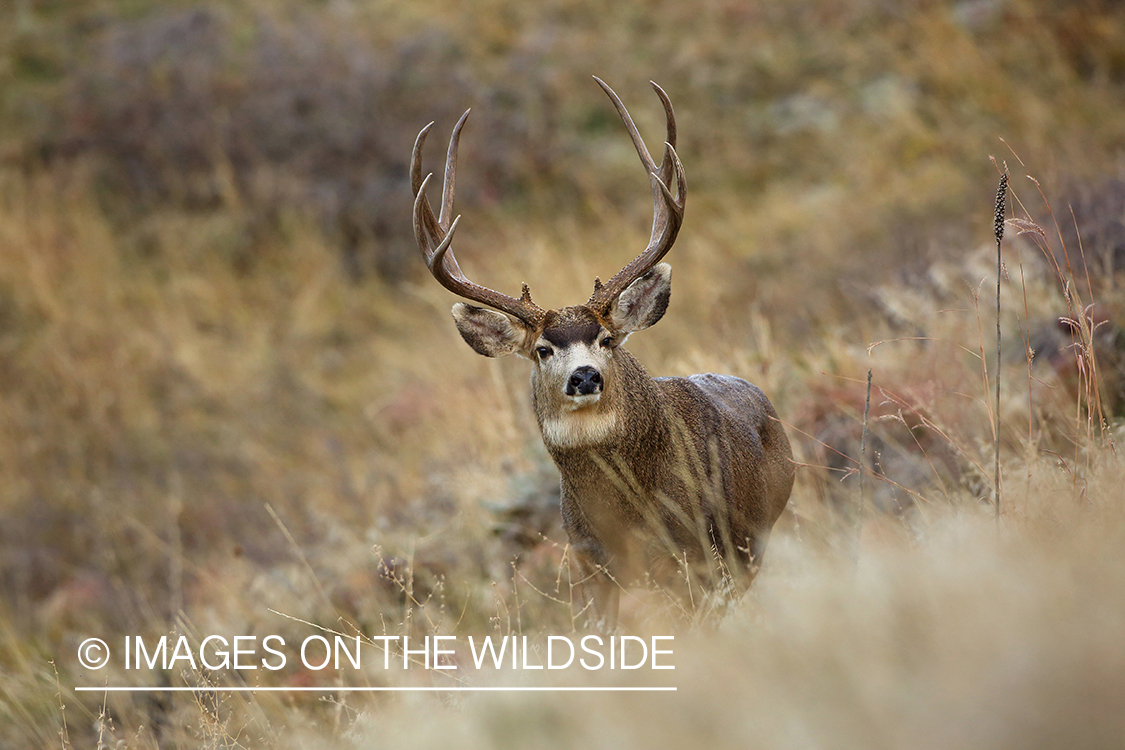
244, 689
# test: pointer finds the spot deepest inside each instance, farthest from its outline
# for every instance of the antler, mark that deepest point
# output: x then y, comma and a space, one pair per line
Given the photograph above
668, 213
434, 235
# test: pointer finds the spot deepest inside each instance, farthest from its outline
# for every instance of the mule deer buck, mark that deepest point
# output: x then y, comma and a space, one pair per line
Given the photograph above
659, 477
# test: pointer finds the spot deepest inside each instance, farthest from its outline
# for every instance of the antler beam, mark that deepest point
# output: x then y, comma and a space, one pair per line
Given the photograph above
668, 211
434, 235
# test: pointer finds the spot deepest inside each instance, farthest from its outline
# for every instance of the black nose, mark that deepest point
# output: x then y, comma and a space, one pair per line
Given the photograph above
583, 381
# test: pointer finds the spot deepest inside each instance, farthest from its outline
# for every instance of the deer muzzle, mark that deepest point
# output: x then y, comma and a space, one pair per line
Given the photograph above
584, 381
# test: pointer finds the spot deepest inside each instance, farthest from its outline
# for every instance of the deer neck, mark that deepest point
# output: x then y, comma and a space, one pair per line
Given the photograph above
628, 408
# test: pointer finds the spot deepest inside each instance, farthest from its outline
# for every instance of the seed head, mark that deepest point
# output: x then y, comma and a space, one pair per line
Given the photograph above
1001, 199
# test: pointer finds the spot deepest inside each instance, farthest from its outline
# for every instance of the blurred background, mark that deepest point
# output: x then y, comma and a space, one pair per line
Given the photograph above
228, 385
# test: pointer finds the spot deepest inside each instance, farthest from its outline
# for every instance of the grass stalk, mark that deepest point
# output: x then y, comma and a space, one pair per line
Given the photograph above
998, 229
862, 466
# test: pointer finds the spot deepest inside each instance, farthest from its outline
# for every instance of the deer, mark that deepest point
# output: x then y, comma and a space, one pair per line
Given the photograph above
658, 475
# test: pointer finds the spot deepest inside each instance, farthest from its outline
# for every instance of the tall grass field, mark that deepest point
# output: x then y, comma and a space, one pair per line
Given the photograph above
243, 446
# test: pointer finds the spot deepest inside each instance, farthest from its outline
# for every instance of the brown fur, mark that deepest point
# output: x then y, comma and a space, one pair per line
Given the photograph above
694, 466
675, 480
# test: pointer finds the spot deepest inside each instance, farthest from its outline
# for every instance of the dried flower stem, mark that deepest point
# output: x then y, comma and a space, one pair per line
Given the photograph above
998, 230
862, 466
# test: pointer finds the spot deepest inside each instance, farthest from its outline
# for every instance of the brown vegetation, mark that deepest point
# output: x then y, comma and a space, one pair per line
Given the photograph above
231, 402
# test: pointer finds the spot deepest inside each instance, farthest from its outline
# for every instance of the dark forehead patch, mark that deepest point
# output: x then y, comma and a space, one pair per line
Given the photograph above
572, 325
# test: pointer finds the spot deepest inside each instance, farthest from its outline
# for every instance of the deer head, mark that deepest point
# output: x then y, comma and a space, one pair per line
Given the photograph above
573, 349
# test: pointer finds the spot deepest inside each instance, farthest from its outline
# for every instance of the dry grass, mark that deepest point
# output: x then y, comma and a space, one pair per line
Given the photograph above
206, 428
967, 638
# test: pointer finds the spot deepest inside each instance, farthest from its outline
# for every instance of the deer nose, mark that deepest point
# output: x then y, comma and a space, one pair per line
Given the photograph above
584, 381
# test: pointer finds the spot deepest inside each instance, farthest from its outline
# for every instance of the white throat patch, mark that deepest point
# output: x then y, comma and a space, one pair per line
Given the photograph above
579, 428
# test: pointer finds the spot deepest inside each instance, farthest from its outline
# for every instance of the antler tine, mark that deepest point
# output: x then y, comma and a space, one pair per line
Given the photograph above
668, 209
426, 228
416, 160
434, 235
451, 172
666, 166
638, 142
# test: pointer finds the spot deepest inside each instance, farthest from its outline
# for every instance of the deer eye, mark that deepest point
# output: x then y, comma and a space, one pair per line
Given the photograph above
608, 341
544, 352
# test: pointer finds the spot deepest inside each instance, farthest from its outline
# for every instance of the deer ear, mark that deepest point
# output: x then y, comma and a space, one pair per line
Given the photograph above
490, 333
644, 301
